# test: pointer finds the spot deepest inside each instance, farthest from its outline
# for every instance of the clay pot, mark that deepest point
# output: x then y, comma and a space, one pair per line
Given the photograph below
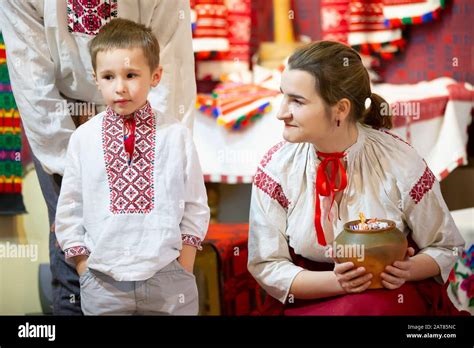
371, 249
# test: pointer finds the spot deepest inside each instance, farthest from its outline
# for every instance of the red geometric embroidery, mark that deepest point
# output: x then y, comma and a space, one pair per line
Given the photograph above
424, 184
393, 135
88, 16
131, 186
76, 251
194, 241
268, 156
271, 188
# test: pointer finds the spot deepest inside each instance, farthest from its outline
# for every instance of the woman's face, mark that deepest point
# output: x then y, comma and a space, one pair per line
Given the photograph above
307, 118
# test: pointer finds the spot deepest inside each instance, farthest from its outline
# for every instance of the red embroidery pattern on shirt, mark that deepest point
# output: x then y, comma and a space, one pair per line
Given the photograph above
189, 239
131, 186
76, 251
268, 156
88, 16
424, 184
391, 134
271, 188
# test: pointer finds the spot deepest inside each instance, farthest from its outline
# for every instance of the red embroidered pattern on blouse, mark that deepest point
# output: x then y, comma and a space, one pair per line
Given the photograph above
189, 239
76, 251
131, 186
424, 184
268, 156
393, 135
88, 16
271, 188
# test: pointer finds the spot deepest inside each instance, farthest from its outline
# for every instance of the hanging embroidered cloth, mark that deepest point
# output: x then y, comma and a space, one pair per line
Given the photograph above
398, 13
375, 27
361, 24
239, 19
335, 20
210, 34
368, 33
221, 37
11, 199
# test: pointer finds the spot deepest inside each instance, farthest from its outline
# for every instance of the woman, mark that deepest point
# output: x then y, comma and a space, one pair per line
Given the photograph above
334, 140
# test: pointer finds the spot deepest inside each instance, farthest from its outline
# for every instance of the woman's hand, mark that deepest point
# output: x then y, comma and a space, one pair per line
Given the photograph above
397, 274
352, 280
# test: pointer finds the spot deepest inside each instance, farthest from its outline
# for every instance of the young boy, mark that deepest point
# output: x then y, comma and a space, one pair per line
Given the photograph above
133, 206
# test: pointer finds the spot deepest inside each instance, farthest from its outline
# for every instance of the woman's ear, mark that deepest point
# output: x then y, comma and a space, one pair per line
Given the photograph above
156, 76
343, 109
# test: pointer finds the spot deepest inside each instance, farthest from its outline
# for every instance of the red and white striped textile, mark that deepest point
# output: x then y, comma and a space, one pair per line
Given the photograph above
433, 116
211, 32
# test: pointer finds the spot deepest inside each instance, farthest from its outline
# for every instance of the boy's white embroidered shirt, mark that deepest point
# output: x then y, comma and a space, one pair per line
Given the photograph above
131, 219
386, 179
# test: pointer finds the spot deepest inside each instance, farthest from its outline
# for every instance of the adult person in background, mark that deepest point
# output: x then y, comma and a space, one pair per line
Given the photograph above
52, 81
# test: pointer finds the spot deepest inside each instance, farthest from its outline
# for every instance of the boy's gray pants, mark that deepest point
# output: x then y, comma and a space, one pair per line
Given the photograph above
171, 291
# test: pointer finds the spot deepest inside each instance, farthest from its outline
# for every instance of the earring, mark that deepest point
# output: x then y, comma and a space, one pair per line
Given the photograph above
338, 123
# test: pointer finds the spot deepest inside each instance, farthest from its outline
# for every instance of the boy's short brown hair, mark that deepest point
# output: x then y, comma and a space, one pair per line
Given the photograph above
123, 33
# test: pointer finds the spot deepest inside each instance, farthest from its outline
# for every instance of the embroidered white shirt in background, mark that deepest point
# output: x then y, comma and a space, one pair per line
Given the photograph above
49, 63
386, 179
131, 219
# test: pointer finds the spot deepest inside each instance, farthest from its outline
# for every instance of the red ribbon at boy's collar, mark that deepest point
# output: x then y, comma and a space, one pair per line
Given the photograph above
129, 125
326, 186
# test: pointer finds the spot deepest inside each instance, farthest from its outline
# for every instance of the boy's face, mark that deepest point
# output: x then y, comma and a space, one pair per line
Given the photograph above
124, 78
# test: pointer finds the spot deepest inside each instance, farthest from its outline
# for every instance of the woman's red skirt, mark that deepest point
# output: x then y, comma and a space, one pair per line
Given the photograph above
426, 297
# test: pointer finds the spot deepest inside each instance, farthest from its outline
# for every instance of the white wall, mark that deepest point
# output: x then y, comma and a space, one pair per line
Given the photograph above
19, 275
